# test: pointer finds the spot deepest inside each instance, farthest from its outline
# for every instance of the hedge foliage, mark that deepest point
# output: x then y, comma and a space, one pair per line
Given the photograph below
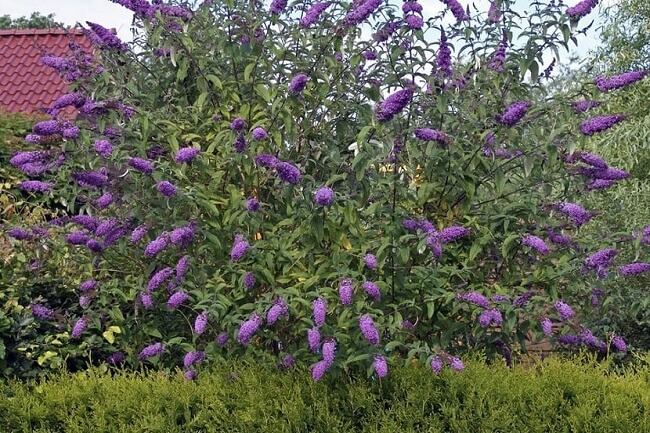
554, 396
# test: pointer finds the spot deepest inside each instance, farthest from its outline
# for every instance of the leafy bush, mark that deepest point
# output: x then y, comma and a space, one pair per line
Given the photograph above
553, 396
278, 181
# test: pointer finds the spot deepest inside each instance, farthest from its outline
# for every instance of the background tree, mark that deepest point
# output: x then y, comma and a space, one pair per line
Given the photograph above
35, 21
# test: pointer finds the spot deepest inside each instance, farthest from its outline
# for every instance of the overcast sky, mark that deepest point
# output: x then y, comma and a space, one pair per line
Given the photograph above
111, 15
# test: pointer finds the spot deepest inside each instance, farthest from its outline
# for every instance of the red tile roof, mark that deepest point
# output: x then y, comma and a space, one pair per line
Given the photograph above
26, 84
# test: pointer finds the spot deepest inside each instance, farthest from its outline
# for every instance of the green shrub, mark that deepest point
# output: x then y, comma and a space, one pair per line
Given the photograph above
553, 396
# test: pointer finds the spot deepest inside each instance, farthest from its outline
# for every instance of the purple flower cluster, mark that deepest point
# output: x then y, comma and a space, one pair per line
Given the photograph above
474, 298
313, 14
288, 173
79, 327
490, 317
69, 99
138, 233
370, 261
456, 9
201, 323
386, 31
453, 233
183, 235
581, 9
159, 277
547, 326
360, 10
600, 123
367, 326
176, 299
151, 351
142, 165
249, 280
238, 124
443, 58
42, 312
575, 212
259, 133
91, 179
313, 339
277, 6
535, 243
494, 12
346, 291
267, 160
564, 311
601, 259
619, 344
279, 308
105, 38
319, 309
156, 246
167, 188
393, 105
585, 105
186, 154
193, 357
634, 269
514, 113
380, 366
499, 58
248, 328
605, 84
240, 144
36, 186
324, 196
426, 134
413, 17
252, 204
298, 84
238, 250
372, 290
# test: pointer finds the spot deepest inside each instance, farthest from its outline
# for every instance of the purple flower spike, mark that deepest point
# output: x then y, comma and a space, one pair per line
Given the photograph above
248, 328
577, 214
474, 298
41, 312
451, 234
279, 308
319, 307
414, 21
298, 83
177, 299
238, 124
514, 113
393, 105
36, 186
436, 364
324, 196
259, 133
346, 291
266, 160
605, 84
370, 260
443, 59
156, 246
313, 339
186, 154
456, 363
249, 280
201, 323
319, 369
547, 326
192, 358
277, 6
372, 290
239, 250
457, 9
151, 351
288, 173
252, 204
159, 277
328, 350
370, 333
313, 14
535, 243
426, 134
138, 233
380, 366
564, 311
601, 123
167, 188
142, 165
79, 327
581, 9
634, 269
619, 344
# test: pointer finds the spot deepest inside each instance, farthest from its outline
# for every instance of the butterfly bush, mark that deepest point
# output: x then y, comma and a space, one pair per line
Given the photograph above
469, 199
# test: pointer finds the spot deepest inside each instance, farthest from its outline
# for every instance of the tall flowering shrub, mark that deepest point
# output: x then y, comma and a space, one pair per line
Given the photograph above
342, 185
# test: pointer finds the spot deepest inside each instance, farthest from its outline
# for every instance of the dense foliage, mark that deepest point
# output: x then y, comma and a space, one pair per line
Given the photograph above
34, 21
339, 185
555, 397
